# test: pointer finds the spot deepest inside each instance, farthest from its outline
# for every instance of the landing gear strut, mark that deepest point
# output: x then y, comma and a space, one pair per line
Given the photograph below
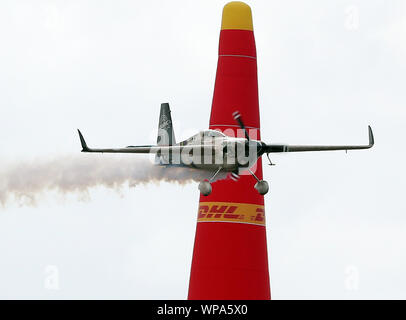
270, 162
261, 185
205, 186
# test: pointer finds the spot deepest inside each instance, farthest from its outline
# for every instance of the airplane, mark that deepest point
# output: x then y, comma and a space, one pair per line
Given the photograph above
212, 150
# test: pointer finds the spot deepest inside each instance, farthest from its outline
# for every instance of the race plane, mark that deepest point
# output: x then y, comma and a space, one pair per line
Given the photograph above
214, 151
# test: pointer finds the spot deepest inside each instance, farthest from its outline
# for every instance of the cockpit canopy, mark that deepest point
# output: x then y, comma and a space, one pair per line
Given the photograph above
203, 137
211, 133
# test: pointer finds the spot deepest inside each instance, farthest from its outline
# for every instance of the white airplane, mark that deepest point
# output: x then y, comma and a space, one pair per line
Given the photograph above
214, 151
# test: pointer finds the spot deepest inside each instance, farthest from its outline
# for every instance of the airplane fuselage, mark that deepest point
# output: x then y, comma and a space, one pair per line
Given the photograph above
211, 150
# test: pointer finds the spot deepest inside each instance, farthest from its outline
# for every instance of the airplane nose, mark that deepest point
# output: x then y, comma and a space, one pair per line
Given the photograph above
237, 15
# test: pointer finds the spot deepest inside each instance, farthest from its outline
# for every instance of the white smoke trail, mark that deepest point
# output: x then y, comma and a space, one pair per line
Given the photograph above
25, 181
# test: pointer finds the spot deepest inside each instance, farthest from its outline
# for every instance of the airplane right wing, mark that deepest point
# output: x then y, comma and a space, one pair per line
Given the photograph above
144, 149
129, 149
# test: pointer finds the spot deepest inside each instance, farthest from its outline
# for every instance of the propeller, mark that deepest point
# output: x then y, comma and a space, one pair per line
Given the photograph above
237, 117
262, 147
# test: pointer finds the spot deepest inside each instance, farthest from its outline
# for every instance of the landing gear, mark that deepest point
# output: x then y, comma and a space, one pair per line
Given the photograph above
269, 159
262, 186
205, 186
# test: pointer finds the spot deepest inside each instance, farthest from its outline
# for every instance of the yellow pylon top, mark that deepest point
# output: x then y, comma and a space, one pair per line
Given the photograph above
237, 15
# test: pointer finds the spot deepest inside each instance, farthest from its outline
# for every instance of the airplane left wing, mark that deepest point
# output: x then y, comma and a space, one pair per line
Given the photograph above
298, 148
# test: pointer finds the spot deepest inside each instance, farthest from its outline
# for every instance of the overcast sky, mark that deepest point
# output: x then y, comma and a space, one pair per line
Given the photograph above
336, 222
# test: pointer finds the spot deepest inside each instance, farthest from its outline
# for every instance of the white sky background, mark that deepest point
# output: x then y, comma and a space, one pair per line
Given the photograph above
336, 222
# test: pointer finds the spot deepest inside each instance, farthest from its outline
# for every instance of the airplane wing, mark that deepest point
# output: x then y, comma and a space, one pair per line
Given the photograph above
130, 149
299, 148
142, 149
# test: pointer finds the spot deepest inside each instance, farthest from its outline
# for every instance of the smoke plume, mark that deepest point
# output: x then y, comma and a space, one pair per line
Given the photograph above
25, 181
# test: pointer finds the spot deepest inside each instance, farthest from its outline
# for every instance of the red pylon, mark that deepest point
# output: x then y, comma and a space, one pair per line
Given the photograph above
230, 258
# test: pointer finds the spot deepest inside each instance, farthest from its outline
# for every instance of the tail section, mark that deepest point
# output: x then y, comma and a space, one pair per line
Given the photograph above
166, 136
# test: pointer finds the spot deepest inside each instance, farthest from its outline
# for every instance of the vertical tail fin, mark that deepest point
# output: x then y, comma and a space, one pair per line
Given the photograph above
166, 136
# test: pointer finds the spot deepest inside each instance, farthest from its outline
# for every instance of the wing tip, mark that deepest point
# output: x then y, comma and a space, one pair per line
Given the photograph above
370, 137
83, 142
